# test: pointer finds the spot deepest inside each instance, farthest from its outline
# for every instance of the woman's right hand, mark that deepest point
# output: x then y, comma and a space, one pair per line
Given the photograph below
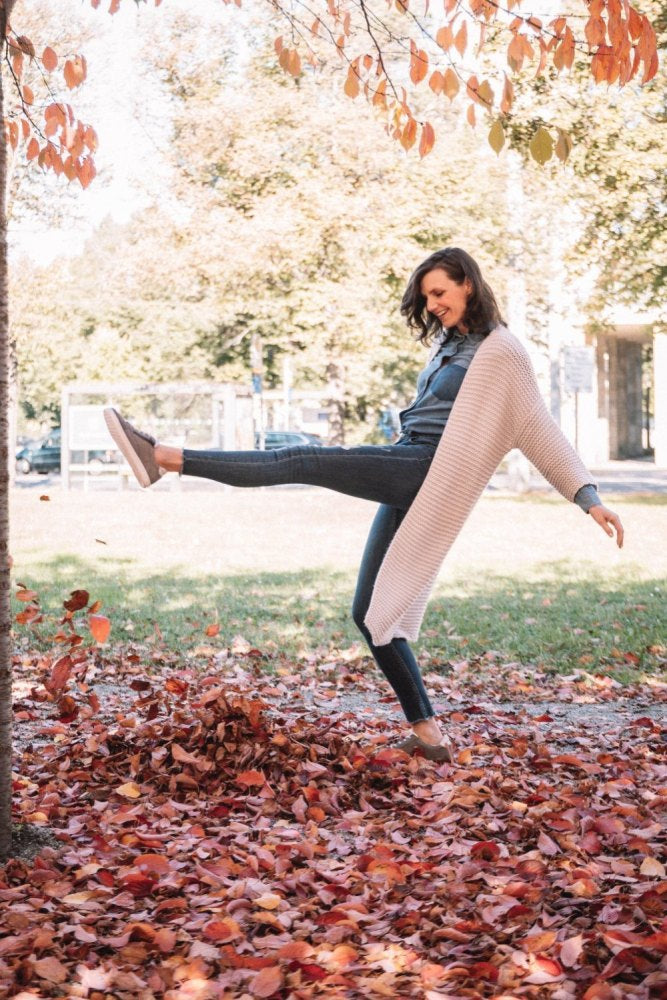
608, 521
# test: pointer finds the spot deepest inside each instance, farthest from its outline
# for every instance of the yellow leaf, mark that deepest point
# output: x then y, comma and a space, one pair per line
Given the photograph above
541, 146
451, 85
497, 136
37, 817
652, 867
130, 790
351, 87
485, 94
268, 901
75, 898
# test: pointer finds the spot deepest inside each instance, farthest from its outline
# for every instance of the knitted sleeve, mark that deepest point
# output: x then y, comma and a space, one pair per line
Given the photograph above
544, 444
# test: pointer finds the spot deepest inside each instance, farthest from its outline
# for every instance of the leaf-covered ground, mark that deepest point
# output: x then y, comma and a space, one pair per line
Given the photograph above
227, 832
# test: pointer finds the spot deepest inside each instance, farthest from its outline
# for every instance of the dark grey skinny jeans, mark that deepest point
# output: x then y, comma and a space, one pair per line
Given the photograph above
386, 474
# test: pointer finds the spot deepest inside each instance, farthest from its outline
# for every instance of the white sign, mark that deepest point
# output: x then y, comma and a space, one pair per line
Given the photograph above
87, 429
578, 367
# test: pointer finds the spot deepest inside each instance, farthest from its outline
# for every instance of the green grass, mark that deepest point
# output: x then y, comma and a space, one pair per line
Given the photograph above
553, 617
531, 578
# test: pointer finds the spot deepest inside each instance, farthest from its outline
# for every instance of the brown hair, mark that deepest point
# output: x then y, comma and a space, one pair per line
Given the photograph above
482, 312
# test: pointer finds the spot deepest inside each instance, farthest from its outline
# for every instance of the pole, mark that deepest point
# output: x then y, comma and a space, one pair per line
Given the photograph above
257, 365
287, 390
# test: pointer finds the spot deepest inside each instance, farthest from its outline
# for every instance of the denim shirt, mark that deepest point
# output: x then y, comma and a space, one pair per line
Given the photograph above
437, 387
438, 384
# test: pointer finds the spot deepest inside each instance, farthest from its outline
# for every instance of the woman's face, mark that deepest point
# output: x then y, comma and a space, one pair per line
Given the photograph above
444, 298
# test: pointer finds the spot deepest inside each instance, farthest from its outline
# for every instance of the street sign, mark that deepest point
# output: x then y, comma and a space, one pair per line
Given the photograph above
578, 367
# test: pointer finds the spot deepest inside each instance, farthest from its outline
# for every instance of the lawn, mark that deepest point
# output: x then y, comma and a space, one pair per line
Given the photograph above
532, 579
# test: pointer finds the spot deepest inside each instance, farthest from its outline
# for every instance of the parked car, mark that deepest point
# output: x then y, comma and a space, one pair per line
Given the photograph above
287, 439
43, 455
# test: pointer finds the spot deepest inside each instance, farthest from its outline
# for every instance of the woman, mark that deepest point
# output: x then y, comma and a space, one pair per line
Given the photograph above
447, 301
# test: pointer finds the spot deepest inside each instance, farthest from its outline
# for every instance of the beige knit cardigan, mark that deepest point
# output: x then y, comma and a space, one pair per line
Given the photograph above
498, 407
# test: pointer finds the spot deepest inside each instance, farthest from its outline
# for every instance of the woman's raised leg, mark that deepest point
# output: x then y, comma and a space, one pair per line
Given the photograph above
390, 474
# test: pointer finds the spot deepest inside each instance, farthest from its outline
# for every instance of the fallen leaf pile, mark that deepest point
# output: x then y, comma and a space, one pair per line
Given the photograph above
228, 832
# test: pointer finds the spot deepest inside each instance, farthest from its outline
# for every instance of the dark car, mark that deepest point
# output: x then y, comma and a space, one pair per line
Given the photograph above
287, 439
43, 455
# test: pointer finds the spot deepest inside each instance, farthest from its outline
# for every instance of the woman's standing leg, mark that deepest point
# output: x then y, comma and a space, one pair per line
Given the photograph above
396, 660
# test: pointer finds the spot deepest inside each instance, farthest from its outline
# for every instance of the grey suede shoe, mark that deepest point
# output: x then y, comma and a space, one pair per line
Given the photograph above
136, 446
440, 751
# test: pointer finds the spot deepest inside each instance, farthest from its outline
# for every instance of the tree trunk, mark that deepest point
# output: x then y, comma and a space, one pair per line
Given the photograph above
336, 401
5, 644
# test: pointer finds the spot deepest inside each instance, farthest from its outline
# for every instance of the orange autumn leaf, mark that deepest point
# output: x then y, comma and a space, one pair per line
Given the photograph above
267, 981
100, 627
49, 59
250, 778
75, 71
26, 595
222, 930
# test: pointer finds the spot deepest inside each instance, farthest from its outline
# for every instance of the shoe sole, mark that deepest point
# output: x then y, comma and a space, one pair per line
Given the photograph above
115, 428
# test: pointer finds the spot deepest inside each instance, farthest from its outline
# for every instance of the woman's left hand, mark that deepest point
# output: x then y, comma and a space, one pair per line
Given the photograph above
606, 519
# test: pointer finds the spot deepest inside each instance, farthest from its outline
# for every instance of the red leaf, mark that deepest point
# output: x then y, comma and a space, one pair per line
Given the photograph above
138, 885
100, 627
61, 673
487, 850
78, 599
212, 630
